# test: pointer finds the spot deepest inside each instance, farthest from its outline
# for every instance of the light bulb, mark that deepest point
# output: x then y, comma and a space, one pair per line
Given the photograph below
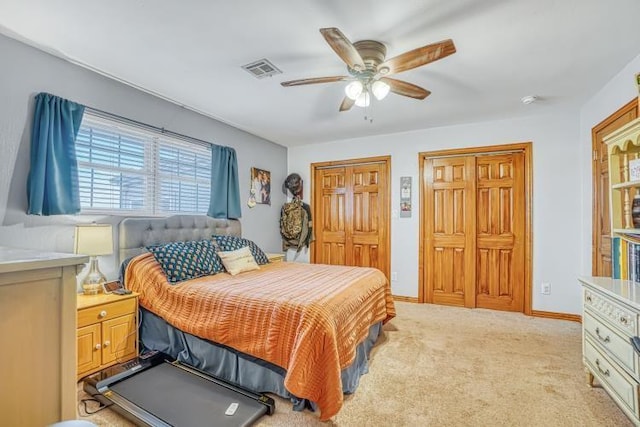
380, 89
364, 99
353, 89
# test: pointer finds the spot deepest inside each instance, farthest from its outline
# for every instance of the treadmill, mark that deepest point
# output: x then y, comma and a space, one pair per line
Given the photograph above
156, 390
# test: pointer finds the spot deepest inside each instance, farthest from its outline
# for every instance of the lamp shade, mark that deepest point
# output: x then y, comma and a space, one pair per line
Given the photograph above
363, 99
93, 239
353, 89
380, 89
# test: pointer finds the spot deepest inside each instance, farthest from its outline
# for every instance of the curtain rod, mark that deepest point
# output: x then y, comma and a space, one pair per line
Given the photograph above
163, 131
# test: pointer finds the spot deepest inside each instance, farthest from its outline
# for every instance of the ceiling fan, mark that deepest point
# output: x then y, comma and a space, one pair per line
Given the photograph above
369, 69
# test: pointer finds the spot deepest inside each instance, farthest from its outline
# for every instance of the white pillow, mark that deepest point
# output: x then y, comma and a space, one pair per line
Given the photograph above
238, 261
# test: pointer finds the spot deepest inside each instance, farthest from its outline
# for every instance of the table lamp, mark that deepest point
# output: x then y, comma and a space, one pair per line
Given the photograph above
93, 240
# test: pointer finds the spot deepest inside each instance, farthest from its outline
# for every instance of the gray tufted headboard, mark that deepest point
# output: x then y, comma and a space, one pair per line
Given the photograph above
136, 233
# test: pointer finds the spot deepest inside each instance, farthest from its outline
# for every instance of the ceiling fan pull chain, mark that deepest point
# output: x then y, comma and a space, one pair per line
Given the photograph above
368, 115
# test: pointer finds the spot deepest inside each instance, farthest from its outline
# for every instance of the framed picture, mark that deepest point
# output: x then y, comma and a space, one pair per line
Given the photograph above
261, 186
405, 197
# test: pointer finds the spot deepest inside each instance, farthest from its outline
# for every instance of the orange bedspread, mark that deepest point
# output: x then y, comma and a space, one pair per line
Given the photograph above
305, 318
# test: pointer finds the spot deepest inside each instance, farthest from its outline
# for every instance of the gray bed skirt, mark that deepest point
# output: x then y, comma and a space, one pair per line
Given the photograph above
239, 368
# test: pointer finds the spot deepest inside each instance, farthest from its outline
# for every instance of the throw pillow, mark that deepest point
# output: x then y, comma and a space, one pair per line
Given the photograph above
238, 261
187, 260
232, 243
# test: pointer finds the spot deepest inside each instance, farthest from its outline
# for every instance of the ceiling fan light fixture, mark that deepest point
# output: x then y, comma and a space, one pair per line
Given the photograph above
380, 89
353, 89
364, 99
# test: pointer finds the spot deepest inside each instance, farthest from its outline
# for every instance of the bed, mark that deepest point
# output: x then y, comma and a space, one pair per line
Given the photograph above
301, 331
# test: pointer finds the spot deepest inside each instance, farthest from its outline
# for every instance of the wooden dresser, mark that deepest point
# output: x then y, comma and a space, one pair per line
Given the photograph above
610, 318
37, 329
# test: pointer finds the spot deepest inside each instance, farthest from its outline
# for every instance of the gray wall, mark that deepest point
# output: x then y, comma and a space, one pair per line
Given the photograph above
25, 71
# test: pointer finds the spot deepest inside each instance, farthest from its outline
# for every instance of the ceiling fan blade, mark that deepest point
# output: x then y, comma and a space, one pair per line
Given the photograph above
406, 89
347, 103
314, 80
343, 47
418, 57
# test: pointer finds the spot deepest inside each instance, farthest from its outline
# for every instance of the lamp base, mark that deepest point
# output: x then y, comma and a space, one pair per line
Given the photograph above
93, 281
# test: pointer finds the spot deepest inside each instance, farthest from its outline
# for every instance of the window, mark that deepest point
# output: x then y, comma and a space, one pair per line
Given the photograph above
126, 169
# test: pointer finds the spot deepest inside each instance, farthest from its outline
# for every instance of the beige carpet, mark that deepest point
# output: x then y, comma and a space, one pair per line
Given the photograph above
445, 366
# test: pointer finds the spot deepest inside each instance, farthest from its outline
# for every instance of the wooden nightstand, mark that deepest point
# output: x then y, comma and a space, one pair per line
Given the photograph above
275, 257
107, 331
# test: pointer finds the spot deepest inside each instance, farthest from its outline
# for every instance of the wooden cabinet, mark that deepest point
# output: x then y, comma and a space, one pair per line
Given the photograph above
107, 331
37, 326
624, 147
610, 318
611, 313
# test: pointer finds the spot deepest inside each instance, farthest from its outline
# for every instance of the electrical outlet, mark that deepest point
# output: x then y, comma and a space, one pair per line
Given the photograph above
394, 276
545, 288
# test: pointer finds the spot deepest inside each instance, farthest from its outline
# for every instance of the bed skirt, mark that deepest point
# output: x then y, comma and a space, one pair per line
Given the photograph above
240, 368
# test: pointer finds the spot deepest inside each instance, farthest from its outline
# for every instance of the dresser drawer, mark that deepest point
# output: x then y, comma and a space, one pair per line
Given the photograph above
90, 315
617, 346
619, 384
619, 316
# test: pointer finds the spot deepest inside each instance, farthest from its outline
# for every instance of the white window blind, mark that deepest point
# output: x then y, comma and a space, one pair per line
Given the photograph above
126, 169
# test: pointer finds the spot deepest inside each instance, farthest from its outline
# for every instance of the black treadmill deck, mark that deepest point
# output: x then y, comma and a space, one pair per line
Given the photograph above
158, 392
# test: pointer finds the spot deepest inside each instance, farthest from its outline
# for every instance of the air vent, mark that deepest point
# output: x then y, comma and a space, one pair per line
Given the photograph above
262, 68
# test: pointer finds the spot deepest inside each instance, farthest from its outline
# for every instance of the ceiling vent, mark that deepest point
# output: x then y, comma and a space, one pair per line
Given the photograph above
262, 68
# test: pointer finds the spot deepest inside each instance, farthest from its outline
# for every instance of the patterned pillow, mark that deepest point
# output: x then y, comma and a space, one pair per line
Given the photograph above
238, 261
232, 243
187, 260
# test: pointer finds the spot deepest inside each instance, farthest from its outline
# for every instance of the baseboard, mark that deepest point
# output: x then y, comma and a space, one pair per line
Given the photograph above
405, 299
560, 316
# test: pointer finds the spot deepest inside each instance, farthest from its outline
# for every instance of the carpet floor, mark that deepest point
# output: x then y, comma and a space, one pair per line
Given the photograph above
447, 366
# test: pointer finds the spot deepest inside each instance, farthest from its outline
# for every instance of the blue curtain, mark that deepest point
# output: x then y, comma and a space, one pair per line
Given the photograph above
225, 187
52, 185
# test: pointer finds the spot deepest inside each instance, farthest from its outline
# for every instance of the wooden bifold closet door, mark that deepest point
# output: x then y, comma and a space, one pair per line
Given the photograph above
474, 227
351, 213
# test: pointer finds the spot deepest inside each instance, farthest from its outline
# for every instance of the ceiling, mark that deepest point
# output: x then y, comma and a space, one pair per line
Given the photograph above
191, 51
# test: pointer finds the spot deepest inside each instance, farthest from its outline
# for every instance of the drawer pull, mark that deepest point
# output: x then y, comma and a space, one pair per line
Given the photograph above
98, 347
605, 339
605, 373
588, 298
624, 320
102, 314
106, 344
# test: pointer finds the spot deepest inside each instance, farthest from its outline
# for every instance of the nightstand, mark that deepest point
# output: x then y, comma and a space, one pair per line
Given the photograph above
107, 331
275, 257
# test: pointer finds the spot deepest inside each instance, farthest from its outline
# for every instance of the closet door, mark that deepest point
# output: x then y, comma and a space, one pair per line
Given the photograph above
449, 260
351, 213
367, 230
500, 207
474, 224
331, 217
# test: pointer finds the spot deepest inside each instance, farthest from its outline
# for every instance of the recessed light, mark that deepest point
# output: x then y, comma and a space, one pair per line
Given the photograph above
529, 99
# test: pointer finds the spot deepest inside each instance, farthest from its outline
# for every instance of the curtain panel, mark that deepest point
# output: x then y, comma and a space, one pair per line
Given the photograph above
225, 187
52, 184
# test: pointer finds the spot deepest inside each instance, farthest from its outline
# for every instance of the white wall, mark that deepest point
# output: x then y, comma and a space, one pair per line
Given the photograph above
25, 71
556, 197
616, 93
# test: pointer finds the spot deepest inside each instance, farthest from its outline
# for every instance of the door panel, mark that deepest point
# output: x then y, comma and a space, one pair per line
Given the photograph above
118, 338
601, 239
500, 238
331, 204
449, 266
88, 355
365, 234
